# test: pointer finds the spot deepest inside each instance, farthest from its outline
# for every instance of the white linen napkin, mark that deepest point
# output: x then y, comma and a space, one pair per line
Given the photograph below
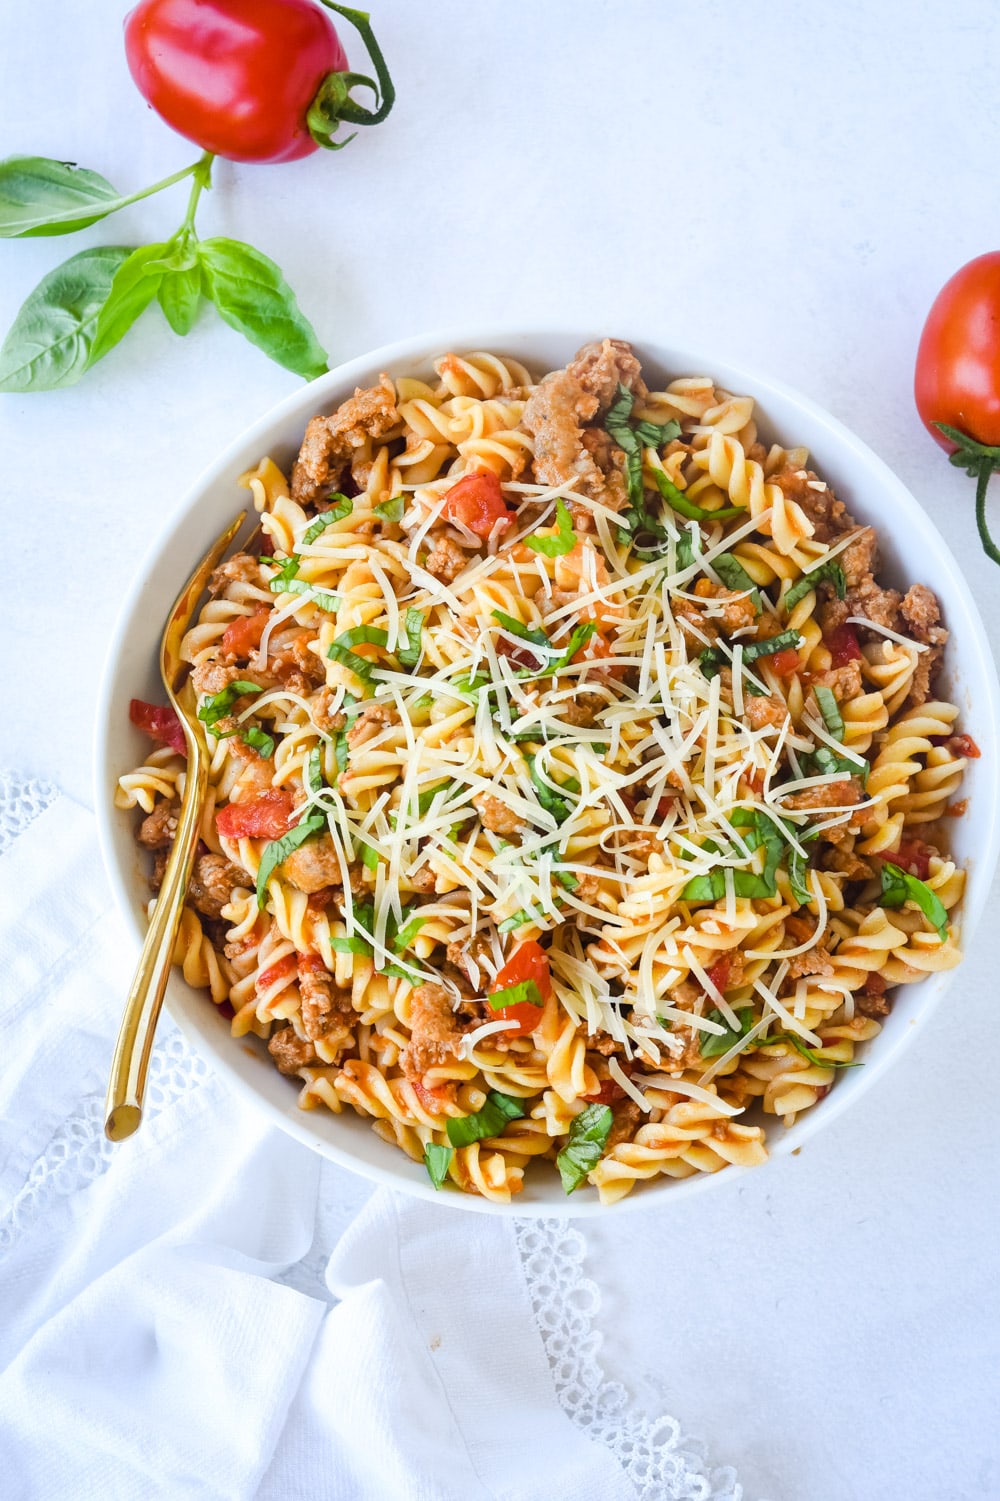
155, 1341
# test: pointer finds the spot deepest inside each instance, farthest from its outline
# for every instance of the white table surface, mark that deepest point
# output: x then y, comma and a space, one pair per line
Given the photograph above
784, 184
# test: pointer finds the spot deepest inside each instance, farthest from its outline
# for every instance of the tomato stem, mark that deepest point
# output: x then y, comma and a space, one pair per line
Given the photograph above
333, 103
202, 173
986, 469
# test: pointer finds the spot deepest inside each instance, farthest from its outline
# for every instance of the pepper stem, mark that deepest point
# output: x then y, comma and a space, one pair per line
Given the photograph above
333, 104
986, 468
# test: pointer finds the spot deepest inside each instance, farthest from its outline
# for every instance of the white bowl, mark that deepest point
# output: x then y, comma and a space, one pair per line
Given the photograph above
912, 550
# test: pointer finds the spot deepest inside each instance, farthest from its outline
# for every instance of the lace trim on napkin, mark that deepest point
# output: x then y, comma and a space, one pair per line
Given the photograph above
21, 801
662, 1463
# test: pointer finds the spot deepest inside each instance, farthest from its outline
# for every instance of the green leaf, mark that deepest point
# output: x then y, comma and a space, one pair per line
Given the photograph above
437, 1160
341, 751
678, 501
515, 627
830, 710
712, 658
581, 634
829, 573
898, 887
260, 740
133, 289
734, 576
549, 800
524, 993
518, 920
340, 650
219, 705
48, 345
253, 297
369, 857
391, 510
179, 295
337, 512
823, 762
315, 780
463, 1130
588, 1136
39, 196
409, 655
807, 1052
714, 1044
563, 542
354, 945
279, 850
322, 598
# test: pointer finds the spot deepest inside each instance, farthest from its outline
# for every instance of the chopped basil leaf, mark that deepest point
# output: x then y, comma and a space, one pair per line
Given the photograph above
409, 655
549, 800
829, 573
734, 576
517, 628
807, 1052
567, 879
518, 920
343, 508
588, 1136
823, 762
686, 554
580, 636
219, 705
320, 597
463, 1130
830, 710
340, 651
632, 438
353, 945
714, 1044
279, 849
426, 798
437, 1160
563, 542
678, 501
898, 887
711, 659
260, 740
797, 869
278, 582
524, 993
369, 856
390, 510
315, 781
341, 751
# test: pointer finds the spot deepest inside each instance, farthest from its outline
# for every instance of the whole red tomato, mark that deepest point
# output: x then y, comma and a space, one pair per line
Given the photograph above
957, 384
235, 76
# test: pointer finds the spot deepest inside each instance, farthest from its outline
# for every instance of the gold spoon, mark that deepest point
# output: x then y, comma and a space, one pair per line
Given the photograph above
127, 1084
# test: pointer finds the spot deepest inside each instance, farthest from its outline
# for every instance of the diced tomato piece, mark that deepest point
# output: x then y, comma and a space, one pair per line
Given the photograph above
595, 652
521, 655
666, 804
433, 1100
964, 745
477, 502
609, 1092
529, 961
159, 722
914, 856
843, 645
719, 972
285, 968
311, 964
266, 546
243, 636
785, 662
266, 816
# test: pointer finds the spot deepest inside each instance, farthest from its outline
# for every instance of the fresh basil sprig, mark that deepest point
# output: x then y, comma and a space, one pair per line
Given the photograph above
79, 312
898, 887
463, 1130
588, 1136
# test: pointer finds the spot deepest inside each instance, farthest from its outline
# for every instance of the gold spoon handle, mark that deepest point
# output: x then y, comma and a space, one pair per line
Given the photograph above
127, 1083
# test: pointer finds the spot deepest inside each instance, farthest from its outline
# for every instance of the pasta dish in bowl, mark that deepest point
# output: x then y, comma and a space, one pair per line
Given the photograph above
581, 789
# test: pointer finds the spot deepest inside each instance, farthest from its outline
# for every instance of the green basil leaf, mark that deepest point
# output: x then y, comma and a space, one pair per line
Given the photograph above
260, 740
279, 850
830, 710
711, 659
797, 870
341, 751
337, 512
714, 1044
898, 887
807, 1052
678, 501
515, 627
563, 542
437, 1160
48, 345
518, 920
369, 857
315, 779
409, 655
463, 1130
340, 651
39, 196
391, 510
734, 576
524, 993
353, 945
823, 762
219, 705
581, 634
830, 573
566, 879
588, 1136
549, 800
179, 296
400, 941
133, 289
322, 598
253, 297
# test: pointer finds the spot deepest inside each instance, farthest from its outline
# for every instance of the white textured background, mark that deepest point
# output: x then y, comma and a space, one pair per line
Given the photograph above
785, 184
